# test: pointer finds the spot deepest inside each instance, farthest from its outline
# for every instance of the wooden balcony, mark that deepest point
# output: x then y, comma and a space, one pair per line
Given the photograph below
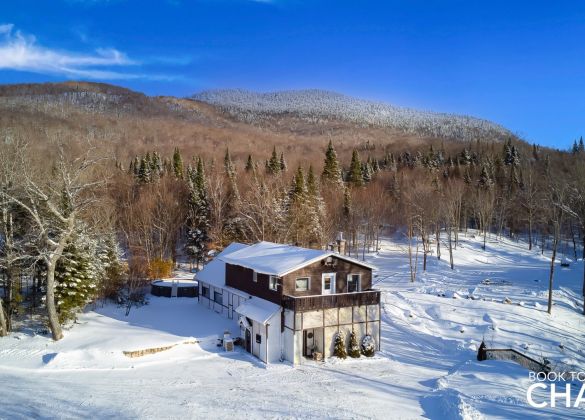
338, 300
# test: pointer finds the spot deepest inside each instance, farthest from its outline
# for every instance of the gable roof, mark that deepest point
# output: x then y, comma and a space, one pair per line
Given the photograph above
280, 259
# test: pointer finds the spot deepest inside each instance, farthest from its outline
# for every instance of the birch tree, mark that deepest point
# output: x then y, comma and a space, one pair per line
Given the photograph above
41, 196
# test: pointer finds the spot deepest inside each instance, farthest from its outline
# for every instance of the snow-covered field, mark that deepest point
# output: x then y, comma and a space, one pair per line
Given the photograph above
427, 366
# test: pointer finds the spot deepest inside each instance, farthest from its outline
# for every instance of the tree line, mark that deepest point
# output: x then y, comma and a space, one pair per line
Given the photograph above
82, 228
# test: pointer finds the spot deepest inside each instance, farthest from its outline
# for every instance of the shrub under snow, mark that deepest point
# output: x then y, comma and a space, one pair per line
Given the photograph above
368, 346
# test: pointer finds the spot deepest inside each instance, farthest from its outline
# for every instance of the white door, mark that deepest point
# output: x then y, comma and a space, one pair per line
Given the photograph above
328, 286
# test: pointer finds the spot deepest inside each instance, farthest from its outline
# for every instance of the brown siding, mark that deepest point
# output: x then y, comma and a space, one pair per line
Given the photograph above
241, 278
342, 268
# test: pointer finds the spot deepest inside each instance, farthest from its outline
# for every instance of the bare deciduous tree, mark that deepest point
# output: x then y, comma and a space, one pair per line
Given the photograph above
55, 202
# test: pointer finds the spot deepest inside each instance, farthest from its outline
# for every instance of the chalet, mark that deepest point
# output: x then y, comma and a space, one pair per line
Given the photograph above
290, 302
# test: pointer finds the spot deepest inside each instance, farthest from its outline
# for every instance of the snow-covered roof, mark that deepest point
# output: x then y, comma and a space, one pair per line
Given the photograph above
214, 272
280, 259
258, 309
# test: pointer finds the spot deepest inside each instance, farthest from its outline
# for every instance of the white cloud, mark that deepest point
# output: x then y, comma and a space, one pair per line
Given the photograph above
22, 52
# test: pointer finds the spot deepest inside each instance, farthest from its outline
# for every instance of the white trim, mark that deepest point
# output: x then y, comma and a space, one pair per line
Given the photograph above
327, 255
359, 288
331, 285
270, 280
308, 283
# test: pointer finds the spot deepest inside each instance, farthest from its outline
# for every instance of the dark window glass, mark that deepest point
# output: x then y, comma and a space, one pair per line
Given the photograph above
353, 283
218, 297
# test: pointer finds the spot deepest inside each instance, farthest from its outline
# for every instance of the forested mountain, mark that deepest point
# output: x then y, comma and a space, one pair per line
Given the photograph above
317, 105
124, 185
305, 121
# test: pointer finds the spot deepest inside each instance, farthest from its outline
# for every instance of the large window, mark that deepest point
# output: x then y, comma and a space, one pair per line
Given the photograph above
302, 284
354, 282
218, 297
205, 291
273, 283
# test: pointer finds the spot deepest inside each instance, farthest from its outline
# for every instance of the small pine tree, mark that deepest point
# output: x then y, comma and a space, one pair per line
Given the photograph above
354, 347
273, 164
177, 164
331, 171
77, 275
230, 170
144, 174
339, 346
283, 165
249, 164
355, 177
581, 147
485, 181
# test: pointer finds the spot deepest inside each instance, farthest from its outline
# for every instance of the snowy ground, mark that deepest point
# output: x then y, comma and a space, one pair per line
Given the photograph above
427, 368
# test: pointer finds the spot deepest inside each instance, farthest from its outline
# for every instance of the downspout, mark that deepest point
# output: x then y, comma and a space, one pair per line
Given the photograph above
266, 327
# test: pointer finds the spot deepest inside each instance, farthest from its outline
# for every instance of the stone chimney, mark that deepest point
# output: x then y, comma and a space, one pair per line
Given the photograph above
340, 243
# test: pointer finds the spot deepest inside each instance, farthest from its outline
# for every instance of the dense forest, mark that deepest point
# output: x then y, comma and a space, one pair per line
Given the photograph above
83, 219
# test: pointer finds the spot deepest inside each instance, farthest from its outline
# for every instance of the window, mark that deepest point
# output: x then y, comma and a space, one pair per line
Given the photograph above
273, 283
255, 277
302, 284
205, 291
218, 297
258, 338
353, 282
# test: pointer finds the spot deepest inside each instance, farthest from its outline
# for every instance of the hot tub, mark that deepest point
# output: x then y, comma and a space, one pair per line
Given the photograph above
175, 288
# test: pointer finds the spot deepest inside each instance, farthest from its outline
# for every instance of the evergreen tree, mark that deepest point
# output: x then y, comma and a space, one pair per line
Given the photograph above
77, 275
581, 147
156, 166
331, 171
114, 269
144, 175
177, 164
198, 215
535, 151
298, 189
575, 148
273, 164
366, 172
355, 177
485, 180
282, 163
249, 164
339, 346
228, 165
316, 209
354, 347
465, 157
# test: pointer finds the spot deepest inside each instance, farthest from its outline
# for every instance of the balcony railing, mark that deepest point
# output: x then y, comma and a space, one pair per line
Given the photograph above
339, 300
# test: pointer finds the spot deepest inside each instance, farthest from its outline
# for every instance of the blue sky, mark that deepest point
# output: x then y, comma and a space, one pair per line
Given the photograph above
519, 63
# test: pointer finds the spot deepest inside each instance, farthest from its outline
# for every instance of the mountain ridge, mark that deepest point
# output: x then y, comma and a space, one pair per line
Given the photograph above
315, 104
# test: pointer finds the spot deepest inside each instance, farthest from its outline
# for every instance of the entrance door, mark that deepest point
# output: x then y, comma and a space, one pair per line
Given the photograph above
248, 341
328, 284
309, 339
